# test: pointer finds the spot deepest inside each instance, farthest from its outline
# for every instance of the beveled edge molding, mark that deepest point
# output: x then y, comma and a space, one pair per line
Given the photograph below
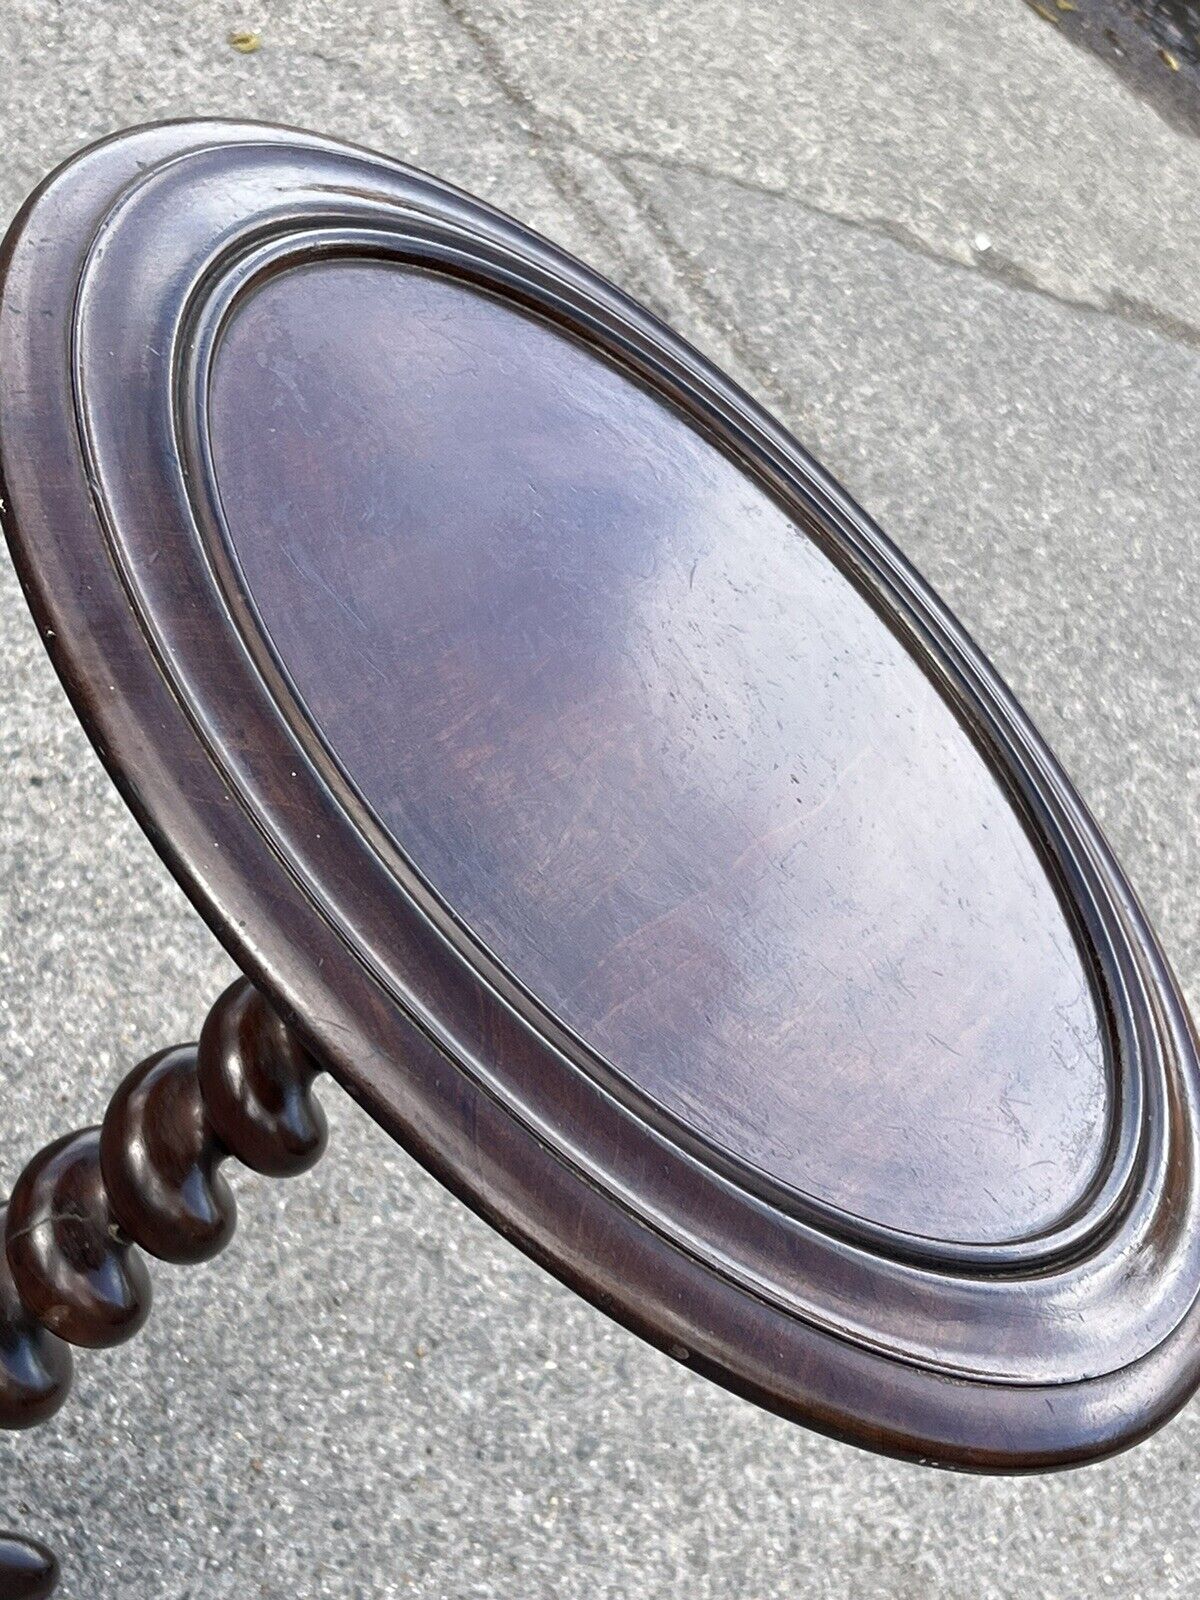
231, 280
1135, 1361
341, 216
227, 285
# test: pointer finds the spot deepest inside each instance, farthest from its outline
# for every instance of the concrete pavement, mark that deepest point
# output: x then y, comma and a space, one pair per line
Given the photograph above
958, 256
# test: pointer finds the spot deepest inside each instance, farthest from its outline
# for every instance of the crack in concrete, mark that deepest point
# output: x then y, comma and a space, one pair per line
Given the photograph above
540, 129
990, 264
993, 265
530, 117
708, 304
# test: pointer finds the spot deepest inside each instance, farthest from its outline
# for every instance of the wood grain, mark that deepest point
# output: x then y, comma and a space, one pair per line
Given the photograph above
657, 753
457, 633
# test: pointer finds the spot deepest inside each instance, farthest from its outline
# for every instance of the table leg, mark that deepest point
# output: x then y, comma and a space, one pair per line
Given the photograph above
148, 1178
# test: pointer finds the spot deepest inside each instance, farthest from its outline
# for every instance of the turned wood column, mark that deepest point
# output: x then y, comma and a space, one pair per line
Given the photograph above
149, 1179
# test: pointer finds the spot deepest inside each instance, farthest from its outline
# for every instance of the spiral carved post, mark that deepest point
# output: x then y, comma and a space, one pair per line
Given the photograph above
149, 1178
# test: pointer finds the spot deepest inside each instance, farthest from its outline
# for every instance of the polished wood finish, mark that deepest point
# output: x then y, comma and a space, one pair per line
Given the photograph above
35, 1365
254, 1078
642, 750
160, 1158
28, 1571
148, 1179
595, 791
73, 1268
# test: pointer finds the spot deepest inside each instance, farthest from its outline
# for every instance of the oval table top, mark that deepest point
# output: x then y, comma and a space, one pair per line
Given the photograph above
602, 796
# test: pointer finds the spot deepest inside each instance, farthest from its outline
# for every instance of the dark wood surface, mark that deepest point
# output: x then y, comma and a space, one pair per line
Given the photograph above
656, 752
147, 1179
600, 797
28, 1571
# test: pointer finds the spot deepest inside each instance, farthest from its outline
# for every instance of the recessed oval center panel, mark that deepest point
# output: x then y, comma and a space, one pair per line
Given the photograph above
657, 752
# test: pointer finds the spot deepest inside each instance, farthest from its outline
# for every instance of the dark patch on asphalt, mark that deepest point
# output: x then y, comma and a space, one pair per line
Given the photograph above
1152, 45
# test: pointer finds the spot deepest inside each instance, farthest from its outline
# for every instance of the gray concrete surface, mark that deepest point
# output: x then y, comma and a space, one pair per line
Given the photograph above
960, 259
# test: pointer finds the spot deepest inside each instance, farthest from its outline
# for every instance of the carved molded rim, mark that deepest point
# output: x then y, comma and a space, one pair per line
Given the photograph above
1014, 751
1005, 1317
